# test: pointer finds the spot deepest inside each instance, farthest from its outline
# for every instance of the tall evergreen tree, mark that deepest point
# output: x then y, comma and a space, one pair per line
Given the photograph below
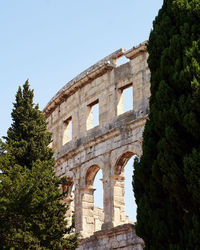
32, 215
167, 178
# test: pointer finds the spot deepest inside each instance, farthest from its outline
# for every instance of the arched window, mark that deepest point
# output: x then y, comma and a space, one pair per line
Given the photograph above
124, 201
130, 205
98, 201
93, 215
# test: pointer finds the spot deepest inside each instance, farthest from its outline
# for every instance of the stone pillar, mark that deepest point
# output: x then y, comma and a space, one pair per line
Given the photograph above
107, 194
118, 200
108, 204
60, 135
114, 203
86, 212
77, 208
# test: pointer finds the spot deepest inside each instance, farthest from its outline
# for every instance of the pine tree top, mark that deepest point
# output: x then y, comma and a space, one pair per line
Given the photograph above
27, 137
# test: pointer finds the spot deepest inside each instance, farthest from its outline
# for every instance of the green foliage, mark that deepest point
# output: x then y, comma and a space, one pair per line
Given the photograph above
167, 179
27, 137
32, 215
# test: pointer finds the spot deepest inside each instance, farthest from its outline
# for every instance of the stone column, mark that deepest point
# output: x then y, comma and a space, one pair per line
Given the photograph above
60, 136
108, 204
77, 209
118, 200
114, 203
86, 211
107, 194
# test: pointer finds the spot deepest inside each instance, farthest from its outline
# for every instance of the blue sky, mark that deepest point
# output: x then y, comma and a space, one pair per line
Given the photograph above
51, 41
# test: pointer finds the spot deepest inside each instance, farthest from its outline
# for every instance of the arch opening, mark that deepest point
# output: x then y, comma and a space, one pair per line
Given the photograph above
90, 175
98, 201
93, 196
130, 204
125, 208
98, 186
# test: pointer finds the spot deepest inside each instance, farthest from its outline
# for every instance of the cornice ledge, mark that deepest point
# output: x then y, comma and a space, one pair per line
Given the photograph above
135, 51
93, 72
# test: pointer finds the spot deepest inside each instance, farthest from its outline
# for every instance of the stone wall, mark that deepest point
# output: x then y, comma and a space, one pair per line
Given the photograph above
121, 237
98, 218
107, 146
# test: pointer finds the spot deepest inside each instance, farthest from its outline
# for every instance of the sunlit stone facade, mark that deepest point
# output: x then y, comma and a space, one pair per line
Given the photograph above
82, 150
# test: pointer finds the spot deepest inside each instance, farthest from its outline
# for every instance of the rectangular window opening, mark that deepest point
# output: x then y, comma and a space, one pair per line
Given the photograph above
67, 130
125, 100
121, 60
93, 115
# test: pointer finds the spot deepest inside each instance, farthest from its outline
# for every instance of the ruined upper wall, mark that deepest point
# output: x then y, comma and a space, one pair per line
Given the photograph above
103, 83
106, 64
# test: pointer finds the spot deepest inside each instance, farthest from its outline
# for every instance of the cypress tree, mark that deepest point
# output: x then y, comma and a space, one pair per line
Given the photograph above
167, 178
32, 215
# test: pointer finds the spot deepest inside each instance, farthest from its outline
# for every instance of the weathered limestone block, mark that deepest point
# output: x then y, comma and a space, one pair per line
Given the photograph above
120, 237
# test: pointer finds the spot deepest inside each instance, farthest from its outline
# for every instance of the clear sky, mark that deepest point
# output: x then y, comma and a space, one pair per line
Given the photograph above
51, 41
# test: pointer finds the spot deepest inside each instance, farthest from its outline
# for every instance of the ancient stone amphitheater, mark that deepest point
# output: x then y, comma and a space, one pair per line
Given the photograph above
82, 148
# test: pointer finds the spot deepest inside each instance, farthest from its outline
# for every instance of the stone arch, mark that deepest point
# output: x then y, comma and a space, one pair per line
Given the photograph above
92, 216
118, 180
90, 175
120, 156
97, 161
122, 161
